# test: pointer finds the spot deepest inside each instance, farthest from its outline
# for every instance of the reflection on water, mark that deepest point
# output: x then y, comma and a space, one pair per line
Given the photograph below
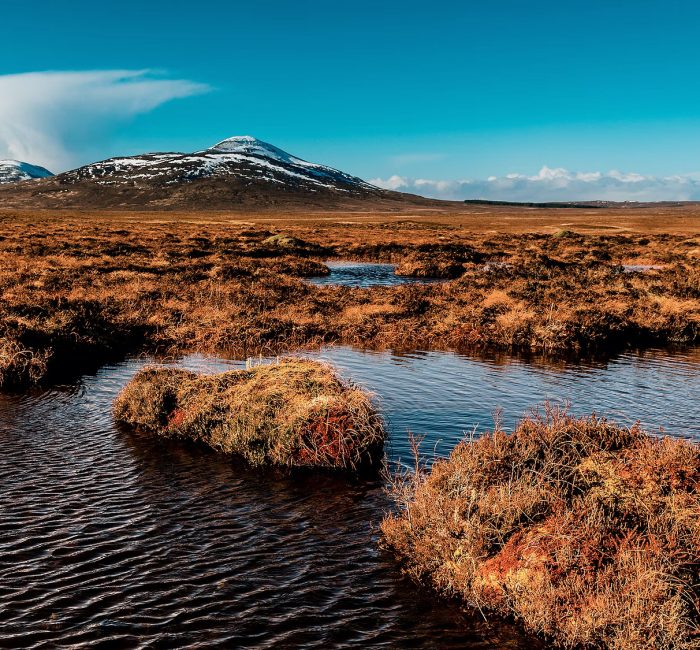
445, 395
106, 535
365, 274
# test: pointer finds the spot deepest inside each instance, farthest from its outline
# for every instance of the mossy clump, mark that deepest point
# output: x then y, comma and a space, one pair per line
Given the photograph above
284, 241
587, 533
296, 413
565, 234
289, 242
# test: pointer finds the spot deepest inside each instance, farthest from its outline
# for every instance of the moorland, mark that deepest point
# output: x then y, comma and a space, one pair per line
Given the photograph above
583, 531
79, 287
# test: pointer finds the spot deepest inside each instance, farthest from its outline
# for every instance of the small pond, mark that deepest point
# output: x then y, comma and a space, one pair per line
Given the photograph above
112, 538
641, 268
365, 274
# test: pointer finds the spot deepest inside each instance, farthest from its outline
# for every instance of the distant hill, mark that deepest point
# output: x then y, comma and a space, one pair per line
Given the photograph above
14, 171
578, 204
239, 171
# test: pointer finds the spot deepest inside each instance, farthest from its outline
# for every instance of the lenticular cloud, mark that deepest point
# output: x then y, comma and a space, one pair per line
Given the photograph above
555, 185
56, 118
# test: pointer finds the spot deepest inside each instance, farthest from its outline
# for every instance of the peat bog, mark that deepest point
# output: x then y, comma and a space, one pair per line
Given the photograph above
81, 290
119, 536
77, 289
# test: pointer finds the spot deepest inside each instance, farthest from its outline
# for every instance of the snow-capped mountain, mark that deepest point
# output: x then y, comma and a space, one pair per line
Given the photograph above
241, 158
13, 171
240, 172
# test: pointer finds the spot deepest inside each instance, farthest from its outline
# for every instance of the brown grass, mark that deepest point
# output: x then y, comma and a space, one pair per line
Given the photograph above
19, 365
586, 532
85, 287
295, 413
429, 268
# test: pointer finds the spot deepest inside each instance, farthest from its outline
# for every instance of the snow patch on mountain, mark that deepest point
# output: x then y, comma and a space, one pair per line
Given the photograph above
242, 157
13, 171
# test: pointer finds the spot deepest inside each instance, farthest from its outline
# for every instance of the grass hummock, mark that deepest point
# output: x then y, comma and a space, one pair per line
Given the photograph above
586, 532
296, 413
429, 268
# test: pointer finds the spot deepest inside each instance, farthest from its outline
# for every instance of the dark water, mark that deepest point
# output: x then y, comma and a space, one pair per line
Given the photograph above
365, 274
111, 539
446, 395
370, 274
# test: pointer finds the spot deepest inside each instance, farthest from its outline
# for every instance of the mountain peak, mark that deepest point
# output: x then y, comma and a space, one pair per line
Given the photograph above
13, 171
241, 140
249, 146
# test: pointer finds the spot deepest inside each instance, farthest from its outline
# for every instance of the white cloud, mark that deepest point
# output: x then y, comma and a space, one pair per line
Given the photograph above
555, 185
59, 119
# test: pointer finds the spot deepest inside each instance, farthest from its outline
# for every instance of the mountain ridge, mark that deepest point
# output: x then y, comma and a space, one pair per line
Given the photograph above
237, 171
15, 171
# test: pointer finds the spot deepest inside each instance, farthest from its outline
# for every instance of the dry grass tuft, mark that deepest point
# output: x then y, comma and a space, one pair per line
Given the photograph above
296, 413
20, 366
586, 532
429, 268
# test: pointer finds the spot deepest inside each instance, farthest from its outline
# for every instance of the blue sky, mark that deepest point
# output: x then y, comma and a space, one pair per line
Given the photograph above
443, 91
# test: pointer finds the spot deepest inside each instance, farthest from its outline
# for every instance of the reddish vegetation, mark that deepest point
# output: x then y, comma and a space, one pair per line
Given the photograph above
324, 438
295, 413
176, 418
586, 532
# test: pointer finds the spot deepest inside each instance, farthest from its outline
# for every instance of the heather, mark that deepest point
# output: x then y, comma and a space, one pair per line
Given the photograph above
585, 532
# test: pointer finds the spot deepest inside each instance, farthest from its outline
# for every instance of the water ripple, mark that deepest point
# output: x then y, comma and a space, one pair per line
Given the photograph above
112, 538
